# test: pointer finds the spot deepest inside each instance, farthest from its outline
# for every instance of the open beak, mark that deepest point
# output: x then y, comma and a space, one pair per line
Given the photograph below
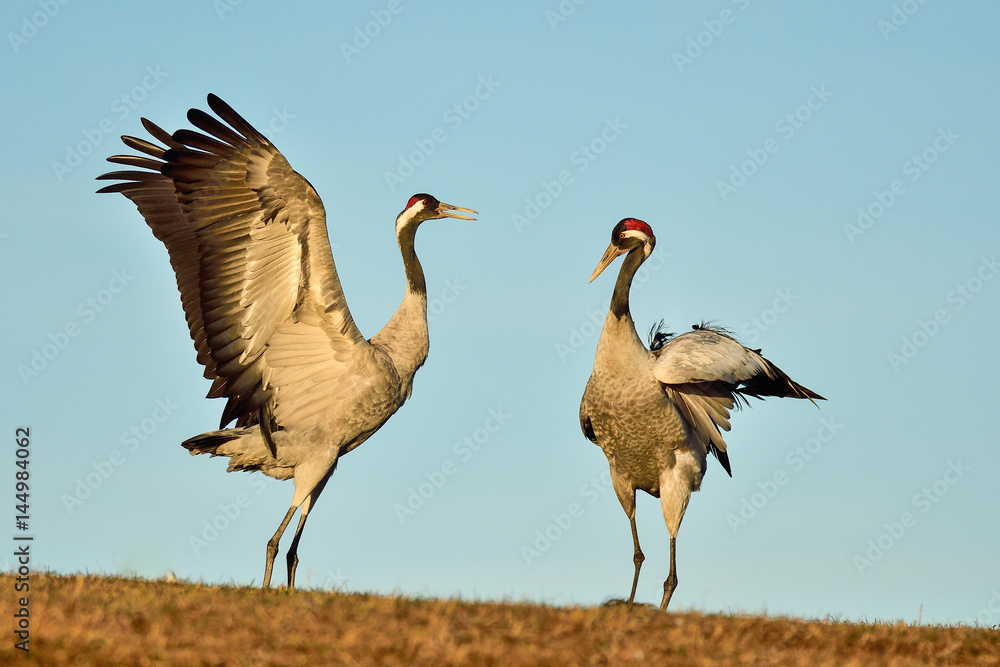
445, 211
609, 256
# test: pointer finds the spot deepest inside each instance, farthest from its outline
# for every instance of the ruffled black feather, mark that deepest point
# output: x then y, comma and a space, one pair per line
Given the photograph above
658, 337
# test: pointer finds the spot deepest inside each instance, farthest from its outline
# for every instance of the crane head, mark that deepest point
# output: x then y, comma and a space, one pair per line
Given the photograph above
426, 207
628, 235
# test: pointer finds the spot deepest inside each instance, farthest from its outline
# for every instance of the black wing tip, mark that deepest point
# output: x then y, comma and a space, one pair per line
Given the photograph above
217, 105
781, 387
810, 394
197, 117
796, 390
221, 107
110, 189
125, 180
226, 112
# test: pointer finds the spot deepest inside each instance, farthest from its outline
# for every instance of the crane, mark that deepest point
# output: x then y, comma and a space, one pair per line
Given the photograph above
657, 412
246, 236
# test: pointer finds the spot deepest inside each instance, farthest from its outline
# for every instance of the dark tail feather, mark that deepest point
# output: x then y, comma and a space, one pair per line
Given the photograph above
209, 443
244, 446
722, 456
776, 383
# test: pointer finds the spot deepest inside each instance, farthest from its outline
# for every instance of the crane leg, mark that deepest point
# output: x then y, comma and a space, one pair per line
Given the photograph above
671, 581
292, 557
637, 558
272, 546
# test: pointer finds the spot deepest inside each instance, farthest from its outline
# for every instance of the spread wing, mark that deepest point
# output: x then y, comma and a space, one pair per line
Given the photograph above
707, 372
246, 236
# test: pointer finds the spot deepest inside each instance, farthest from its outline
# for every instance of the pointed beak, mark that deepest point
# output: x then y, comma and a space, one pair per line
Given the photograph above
445, 211
609, 256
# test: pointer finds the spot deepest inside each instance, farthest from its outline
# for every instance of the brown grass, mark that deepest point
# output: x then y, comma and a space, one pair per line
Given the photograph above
87, 620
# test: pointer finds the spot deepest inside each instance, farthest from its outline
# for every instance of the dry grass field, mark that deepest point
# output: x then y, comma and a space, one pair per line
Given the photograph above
87, 620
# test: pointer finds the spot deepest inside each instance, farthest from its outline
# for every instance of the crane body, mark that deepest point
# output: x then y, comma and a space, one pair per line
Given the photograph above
246, 236
658, 412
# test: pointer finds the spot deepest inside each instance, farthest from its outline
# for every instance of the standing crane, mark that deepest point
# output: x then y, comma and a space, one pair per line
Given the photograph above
656, 412
246, 236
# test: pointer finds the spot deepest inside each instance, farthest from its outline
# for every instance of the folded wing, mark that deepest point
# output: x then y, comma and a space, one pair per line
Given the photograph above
707, 372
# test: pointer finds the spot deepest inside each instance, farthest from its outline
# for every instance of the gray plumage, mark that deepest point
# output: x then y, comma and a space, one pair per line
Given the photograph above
657, 412
246, 236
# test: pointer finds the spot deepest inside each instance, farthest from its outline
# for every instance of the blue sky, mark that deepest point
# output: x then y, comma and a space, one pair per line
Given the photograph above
821, 179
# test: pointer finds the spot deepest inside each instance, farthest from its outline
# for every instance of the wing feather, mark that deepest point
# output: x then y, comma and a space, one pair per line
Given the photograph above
307, 362
247, 240
707, 373
711, 355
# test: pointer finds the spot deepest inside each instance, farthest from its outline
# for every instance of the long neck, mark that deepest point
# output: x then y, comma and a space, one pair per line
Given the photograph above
619, 300
404, 337
619, 342
414, 272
